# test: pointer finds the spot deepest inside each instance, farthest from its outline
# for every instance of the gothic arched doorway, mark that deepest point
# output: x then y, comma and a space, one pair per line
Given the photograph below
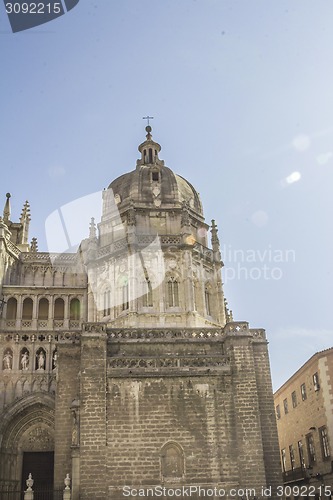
27, 442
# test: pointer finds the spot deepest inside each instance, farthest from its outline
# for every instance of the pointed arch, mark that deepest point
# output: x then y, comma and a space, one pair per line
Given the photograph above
173, 292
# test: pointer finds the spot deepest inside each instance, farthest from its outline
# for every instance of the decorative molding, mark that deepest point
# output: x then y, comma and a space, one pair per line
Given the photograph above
169, 362
165, 334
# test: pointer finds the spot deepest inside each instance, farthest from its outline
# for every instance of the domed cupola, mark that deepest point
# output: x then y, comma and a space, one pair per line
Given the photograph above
153, 185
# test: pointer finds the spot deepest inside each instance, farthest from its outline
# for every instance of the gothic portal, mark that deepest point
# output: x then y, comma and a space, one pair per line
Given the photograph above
120, 361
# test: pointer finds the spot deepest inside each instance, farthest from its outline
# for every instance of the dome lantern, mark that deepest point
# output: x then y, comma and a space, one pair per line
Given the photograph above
149, 150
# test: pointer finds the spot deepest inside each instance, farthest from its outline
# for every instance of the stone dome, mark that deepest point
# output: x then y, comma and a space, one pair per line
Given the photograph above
152, 183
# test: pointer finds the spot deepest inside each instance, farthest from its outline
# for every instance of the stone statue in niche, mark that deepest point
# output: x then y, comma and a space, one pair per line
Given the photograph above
76, 423
54, 360
172, 462
7, 360
40, 360
24, 360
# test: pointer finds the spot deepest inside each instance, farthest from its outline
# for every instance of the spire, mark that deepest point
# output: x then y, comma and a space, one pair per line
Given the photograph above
215, 238
228, 313
6, 210
25, 221
216, 244
34, 245
92, 229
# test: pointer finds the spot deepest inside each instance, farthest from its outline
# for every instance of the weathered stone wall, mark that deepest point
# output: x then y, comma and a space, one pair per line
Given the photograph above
145, 414
67, 391
93, 416
267, 416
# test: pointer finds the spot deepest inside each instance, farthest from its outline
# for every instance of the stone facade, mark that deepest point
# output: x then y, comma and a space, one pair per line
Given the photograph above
123, 358
304, 412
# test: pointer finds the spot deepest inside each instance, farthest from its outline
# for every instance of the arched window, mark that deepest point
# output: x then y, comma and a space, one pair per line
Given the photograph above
155, 176
74, 309
147, 298
173, 293
150, 155
43, 309
59, 308
207, 301
27, 308
107, 303
172, 461
11, 308
125, 298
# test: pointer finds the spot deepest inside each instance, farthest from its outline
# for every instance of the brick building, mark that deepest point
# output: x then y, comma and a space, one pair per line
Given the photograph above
121, 363
304, 412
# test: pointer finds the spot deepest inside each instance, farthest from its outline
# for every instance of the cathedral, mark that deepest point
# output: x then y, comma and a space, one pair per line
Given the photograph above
120, 362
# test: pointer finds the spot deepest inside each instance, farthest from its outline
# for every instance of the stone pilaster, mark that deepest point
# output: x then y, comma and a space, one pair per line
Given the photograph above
267, 414
93, 418
68, 366
246, 411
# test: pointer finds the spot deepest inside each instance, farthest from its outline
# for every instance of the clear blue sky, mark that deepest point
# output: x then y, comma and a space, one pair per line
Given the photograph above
241, 94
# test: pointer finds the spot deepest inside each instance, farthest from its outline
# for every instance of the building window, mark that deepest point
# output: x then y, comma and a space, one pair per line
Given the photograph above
207, 301
292, 457
316, 382
74, 309
173, 293
301, 454
325, 447
303, 392
294, 399
147, 298
11, 308
125, 298
43, 309
107, 303
155, 176
285, 406
283, 460
278, 412
59, 309
311, 448
27, 309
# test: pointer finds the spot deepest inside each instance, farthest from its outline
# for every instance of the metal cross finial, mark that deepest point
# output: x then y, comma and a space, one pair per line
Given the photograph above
148, 118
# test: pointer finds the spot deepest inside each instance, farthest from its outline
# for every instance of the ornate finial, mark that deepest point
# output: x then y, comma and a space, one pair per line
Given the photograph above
6, 210
34, 245
228, 313
215, 238
92, 229
29, 482
148, 118
67, 482
148, 128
